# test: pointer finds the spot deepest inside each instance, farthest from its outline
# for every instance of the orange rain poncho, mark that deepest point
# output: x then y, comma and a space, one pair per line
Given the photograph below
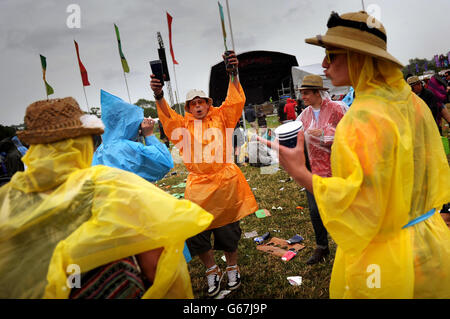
62, 211
389, 167
214, 181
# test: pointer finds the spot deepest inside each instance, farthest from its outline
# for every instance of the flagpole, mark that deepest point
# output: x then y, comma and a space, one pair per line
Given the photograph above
232, 43
126, 83
362, 2
176, 90
82, 84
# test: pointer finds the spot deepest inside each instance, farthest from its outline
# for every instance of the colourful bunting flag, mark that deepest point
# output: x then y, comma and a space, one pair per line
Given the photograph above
84, 75
436, 59
48, 88
222, 19
169, 22
122, 56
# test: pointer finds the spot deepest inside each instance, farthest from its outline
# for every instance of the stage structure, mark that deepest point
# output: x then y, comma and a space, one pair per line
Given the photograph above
264, 75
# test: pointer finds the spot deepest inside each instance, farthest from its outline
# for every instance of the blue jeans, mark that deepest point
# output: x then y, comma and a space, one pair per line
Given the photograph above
319, 230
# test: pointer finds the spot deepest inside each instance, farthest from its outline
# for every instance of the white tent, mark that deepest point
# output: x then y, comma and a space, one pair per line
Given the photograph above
299, 72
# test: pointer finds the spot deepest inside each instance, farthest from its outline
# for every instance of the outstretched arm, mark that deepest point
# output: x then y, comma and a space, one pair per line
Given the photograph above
158, 93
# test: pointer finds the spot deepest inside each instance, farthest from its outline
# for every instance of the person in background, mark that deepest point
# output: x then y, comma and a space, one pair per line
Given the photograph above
428, 97
120, 234
389, 173
289, 109
319, 120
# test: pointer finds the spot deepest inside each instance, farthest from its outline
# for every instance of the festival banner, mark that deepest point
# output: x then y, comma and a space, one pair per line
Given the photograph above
84, 75
48, 88
169, 23
436, 59
122, 56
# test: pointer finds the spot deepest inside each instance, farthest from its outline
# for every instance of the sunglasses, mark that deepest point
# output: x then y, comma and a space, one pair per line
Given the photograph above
330, 54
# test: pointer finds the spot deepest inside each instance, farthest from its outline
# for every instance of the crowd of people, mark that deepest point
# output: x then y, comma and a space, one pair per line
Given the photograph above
86, 215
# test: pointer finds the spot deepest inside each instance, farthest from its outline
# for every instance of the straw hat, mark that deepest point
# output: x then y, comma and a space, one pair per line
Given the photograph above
192, 94
351, 31
312, 82
49, 121
413, 80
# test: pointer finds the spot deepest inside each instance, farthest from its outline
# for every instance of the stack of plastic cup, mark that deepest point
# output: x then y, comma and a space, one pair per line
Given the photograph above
287, 133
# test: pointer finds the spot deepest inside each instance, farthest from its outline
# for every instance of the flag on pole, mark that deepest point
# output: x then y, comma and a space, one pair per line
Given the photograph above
417, 68
222, 19
84, 75
122, 57
426, 65
436, 59
48, 88
169, 22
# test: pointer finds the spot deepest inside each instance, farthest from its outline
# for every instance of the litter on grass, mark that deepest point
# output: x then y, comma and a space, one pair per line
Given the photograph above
261, 213
295, 280
179, 185
251, 234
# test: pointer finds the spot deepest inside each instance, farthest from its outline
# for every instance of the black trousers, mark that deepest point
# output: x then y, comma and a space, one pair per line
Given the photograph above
319, 230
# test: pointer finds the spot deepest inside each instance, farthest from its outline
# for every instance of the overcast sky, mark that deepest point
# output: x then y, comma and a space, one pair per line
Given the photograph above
415, 28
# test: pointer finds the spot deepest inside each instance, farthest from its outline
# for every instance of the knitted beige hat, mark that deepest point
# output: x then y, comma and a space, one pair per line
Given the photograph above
355, 31
53, 120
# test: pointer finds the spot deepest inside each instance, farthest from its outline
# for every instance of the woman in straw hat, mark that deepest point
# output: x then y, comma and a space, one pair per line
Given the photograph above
389, 174
69, 230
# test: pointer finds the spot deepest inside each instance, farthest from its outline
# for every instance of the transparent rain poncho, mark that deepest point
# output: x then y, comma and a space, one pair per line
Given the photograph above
389, 167
62, 212
319, 134
119, 149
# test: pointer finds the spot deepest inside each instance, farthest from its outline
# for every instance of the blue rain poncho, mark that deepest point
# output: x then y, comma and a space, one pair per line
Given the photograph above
22, 149
118, 149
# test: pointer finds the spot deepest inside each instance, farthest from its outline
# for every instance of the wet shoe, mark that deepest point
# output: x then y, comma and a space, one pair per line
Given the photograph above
214, 276
234, 277
318, 255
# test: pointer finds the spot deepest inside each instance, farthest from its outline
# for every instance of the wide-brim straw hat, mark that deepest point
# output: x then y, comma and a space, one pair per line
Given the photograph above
192, 94
356, 31
312, 82
413, 80
53, 120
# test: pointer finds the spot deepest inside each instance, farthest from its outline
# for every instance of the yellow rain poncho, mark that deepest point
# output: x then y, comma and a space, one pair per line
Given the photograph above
214, 181
388, 167
61, 211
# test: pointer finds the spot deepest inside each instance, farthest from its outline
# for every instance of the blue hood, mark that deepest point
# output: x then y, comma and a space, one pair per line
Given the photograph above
121, 119
118, 149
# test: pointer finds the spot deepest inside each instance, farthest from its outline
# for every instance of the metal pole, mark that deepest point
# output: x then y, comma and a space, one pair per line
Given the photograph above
232, 43
176, 89
126, 83
85, 96
362, 2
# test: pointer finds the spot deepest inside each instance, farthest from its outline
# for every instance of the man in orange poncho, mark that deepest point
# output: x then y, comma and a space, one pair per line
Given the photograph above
204, 137
389, 173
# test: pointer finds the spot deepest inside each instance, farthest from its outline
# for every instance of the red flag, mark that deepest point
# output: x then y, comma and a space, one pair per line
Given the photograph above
84, 75
169, 22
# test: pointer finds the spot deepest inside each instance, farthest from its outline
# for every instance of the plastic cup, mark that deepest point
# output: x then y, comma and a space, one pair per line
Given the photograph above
287, 133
